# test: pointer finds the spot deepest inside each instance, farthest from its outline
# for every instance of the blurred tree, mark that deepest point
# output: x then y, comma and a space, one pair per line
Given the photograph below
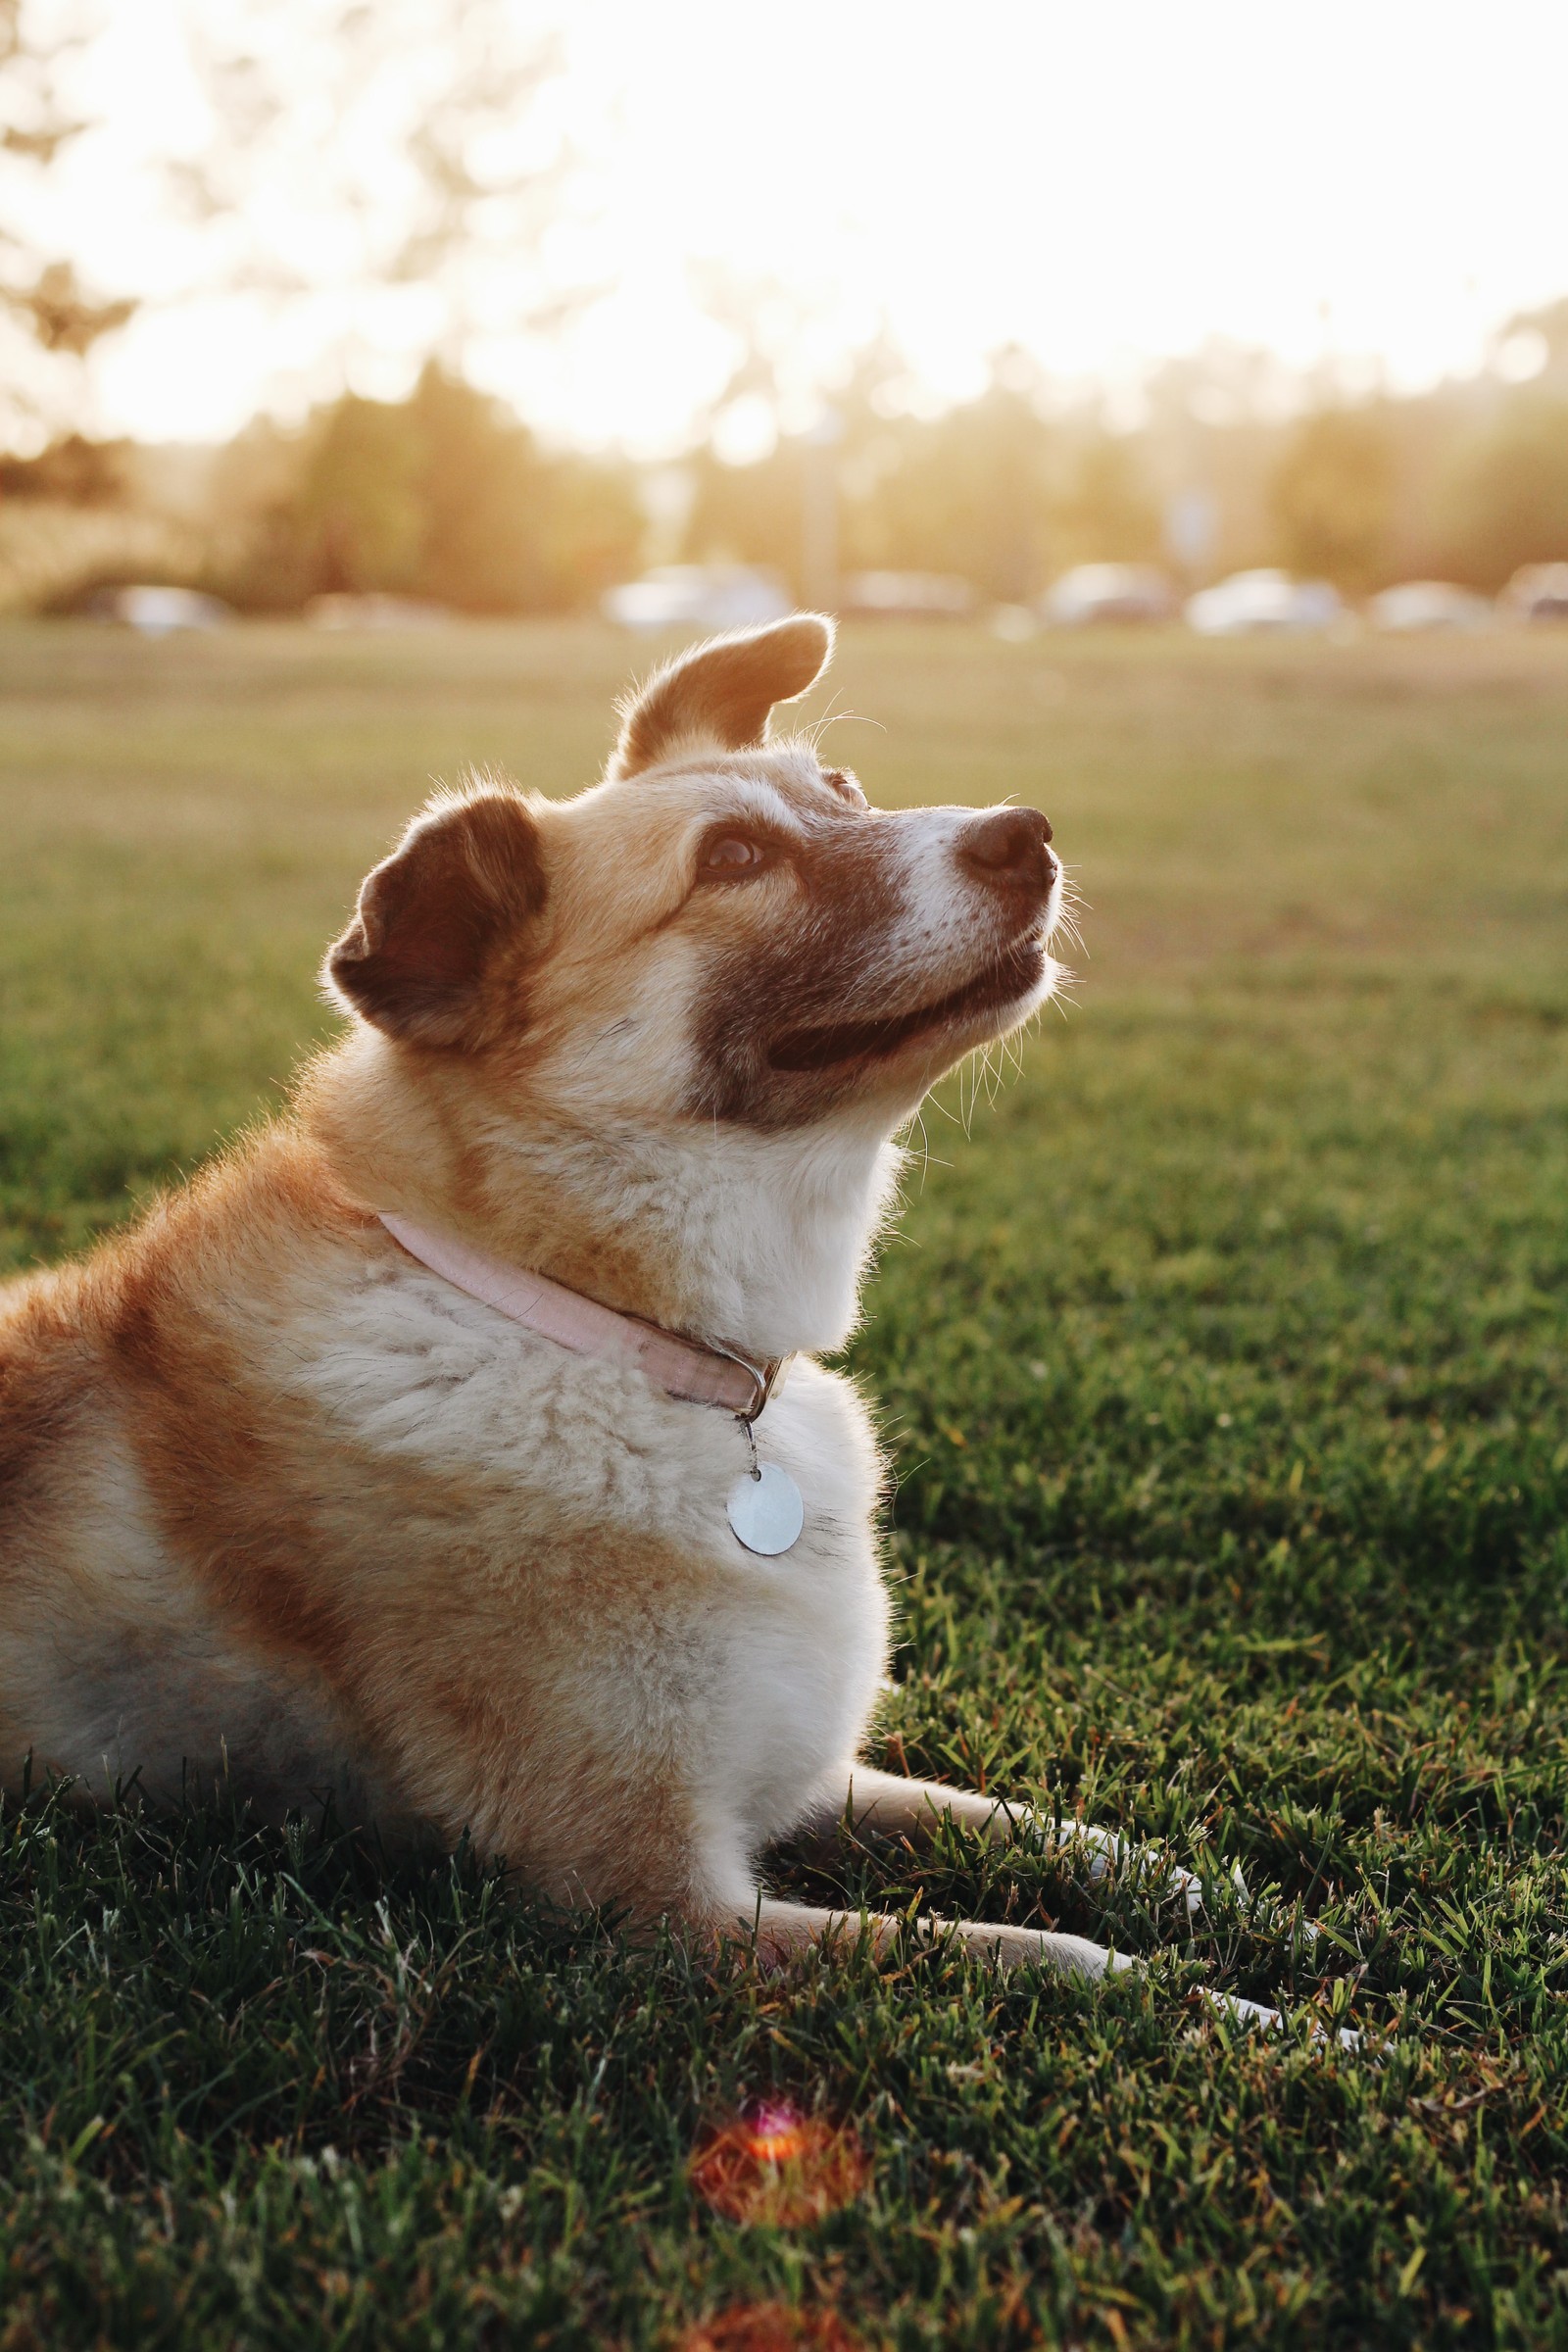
357, 511
974, 491
443, 496
592, 529
1105, 513
43, 297
478, 483
256, 559
505, 526
748, 514
417, 160
1507, 494
819, 426
74, 472
968, 493
1467, 480
1332, 494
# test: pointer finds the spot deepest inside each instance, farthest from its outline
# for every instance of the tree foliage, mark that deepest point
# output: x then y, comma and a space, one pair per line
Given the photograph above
415, 162
1509, 499
1332, 495
444, 496
41, 292
995, 490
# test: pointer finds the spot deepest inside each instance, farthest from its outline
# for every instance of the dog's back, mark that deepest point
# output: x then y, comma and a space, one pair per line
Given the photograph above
124, 1419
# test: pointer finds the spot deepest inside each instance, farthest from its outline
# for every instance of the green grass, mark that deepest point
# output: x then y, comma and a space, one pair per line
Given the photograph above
1223, 1365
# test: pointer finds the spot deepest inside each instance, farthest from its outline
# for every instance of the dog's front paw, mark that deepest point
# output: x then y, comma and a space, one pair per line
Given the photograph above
1105, 1850
1264, 2020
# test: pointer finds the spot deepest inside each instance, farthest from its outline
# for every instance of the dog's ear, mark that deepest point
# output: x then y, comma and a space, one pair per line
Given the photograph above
721, 693
465, 880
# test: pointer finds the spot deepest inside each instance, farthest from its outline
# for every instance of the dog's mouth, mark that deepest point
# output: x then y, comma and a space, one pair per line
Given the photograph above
1012, 975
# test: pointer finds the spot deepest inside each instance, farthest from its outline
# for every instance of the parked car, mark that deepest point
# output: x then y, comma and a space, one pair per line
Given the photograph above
1538, 592
1418, 604
908, 595
1014, 624
374, 612
1107, 592
699, 596
1253, 603
155, 610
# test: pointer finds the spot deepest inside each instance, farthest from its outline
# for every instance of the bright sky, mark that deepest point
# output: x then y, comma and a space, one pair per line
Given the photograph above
1103, 183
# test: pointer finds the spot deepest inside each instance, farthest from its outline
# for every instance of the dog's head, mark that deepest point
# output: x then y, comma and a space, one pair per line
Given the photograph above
723, 931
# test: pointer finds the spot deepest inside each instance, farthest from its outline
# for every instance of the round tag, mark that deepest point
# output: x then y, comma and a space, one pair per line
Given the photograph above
767, 1512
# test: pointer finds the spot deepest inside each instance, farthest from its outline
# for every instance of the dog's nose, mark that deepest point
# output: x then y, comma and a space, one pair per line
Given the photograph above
1008, 849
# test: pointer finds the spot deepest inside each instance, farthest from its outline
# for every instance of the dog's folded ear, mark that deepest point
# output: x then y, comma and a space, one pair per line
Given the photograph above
465, 883
719, 694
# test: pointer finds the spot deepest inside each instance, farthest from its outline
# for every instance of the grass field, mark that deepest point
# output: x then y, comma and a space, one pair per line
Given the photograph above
1223, 1366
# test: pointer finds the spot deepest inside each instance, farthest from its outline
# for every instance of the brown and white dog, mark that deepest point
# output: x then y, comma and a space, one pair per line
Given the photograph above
278, 1501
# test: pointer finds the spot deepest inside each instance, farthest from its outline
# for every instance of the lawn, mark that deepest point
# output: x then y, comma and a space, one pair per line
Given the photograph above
1221, 1356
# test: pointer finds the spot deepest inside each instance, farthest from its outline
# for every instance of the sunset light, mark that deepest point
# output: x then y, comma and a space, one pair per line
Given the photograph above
1100, 187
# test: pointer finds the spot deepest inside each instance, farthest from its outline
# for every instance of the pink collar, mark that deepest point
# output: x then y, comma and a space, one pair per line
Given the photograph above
683, 1368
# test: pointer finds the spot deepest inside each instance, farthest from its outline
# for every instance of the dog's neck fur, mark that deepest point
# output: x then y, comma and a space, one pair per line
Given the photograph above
757, 1240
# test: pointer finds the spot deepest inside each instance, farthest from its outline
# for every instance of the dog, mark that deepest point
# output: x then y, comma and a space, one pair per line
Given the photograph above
455, 1446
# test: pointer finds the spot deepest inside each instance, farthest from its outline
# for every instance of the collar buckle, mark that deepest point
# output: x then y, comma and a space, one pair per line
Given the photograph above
768, 1375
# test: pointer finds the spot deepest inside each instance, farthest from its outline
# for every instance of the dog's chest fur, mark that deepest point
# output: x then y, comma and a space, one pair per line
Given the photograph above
585, 1488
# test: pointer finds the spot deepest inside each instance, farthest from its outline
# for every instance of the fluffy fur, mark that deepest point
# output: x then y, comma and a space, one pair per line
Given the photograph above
279, 1504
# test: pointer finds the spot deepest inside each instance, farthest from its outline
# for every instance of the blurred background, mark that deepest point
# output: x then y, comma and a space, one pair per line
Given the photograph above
378, 314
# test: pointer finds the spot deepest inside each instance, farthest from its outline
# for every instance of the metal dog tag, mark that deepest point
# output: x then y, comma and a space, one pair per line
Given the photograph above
765, 1511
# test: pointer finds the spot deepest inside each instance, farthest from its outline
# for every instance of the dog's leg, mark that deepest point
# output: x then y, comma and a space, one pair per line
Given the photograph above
788, 1929
784, 1930
892, 1807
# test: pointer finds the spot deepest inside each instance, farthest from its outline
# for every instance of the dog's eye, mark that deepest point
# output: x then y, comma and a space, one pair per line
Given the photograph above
727, 857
